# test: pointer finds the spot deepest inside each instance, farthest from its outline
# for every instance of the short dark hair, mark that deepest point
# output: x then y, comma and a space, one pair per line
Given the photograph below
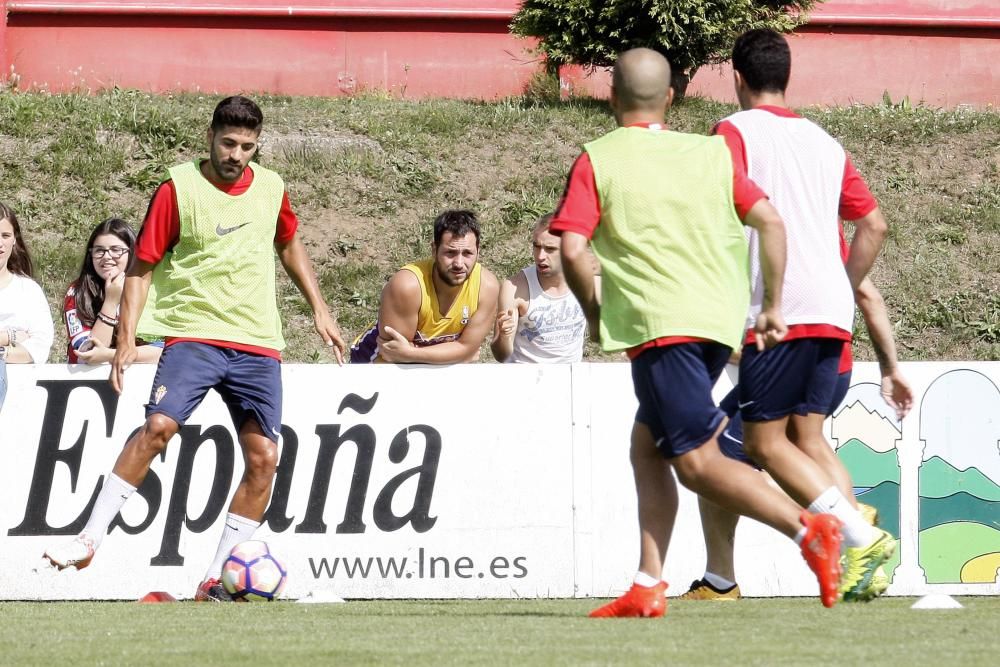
763, 59
458, 223
237, 111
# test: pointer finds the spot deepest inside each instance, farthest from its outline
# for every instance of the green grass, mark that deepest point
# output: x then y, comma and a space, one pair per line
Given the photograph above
69, 161
492, 632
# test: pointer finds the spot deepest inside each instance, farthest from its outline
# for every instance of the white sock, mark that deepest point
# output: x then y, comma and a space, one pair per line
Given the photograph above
113, 495
237, 529
720, 583
801, 535
645, 580
856, 531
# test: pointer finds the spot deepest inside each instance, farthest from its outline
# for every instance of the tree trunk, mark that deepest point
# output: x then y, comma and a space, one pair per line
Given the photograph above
679, 81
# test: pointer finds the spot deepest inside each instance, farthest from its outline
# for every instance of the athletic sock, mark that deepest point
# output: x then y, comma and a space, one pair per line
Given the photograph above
237, 529
801, 535
113, 495
720, 584
645, 580
856, 531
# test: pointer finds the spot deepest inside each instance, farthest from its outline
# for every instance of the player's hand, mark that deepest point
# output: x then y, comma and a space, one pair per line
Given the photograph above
328, 330
95, 352
114, 285
897, 393
394, 350
125, 356
770, 329
506, 322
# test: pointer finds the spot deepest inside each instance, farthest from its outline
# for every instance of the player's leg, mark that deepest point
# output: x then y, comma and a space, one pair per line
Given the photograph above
252, 391
718, 526
656, 494
184, 375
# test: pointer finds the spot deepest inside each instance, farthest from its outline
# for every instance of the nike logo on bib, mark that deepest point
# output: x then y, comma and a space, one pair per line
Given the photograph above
222, 231
743, 405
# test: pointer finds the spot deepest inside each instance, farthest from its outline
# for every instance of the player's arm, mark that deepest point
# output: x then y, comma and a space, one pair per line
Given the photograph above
869, 234
511, 291
466, 347
295, 259
578, 266
137, 283
858, 205
765, 220
895, 389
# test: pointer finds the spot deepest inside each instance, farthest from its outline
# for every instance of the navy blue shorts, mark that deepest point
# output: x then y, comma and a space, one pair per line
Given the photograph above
250, 384
731, 440
795, 377
674, 387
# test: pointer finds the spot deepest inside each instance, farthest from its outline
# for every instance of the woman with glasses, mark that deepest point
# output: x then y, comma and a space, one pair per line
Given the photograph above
91, 306
25, 319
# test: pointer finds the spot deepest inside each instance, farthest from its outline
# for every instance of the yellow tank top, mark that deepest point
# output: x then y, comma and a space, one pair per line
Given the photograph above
432, 326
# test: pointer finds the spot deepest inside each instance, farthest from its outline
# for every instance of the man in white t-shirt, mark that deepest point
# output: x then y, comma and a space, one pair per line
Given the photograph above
538, 319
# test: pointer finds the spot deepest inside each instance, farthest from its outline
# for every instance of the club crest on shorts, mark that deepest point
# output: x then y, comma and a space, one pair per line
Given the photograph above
158, 395
465, 314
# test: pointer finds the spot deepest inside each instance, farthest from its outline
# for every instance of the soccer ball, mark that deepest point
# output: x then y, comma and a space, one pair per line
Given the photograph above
252, 573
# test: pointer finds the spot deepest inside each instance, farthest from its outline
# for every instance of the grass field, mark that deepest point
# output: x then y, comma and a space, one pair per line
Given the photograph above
493, 632
367, 175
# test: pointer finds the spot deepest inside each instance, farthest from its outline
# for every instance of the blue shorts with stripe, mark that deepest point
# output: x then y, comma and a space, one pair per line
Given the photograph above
674, 386
731, 440
250, 384
795, 377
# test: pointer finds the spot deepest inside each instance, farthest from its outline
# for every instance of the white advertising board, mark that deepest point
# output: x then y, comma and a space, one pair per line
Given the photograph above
465, 482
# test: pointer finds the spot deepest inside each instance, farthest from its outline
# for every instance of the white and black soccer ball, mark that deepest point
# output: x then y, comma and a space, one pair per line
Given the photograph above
252, 573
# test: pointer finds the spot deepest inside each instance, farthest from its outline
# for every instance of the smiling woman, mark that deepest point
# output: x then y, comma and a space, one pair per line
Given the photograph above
90, 309
25, 321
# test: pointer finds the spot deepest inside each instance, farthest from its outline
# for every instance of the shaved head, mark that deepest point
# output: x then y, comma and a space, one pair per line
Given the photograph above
641, 80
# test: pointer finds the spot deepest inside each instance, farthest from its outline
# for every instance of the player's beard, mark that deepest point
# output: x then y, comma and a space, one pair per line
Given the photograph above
225, 170
447, 278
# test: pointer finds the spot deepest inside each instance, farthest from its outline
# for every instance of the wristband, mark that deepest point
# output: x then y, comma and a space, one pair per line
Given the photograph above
11, 337
110, 321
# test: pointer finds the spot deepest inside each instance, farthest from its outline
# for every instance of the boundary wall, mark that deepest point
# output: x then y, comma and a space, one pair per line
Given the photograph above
471, 481
939, 52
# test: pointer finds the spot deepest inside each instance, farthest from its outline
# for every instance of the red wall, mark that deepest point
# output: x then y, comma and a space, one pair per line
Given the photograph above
941, 52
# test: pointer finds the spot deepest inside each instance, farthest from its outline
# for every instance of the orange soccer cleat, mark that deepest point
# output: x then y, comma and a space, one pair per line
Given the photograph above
638, 602
821, 549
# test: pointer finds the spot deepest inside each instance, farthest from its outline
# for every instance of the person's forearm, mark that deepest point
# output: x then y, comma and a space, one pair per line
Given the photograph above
772, 262
452, 352
296, 262
879, 330
133, 301
502, 347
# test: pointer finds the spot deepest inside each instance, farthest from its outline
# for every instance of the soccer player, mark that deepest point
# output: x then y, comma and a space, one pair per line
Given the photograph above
664, 213
207, 249
719, 526
786, 392
539, 320
438, 310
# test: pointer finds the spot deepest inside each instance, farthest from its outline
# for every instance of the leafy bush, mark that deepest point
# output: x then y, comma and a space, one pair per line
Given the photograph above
690, 33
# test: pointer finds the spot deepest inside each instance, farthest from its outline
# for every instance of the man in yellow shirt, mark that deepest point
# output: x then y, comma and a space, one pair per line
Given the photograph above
438, 310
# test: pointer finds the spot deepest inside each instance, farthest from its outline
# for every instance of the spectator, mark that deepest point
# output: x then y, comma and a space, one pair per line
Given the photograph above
437, 310
90, 310
25, 320
539, 320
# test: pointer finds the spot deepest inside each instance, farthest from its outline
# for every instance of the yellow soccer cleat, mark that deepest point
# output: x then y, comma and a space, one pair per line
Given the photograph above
702, 590
860, 581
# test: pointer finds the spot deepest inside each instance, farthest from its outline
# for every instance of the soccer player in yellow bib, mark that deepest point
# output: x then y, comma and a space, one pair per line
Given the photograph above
438, 310
205, 260
664, 213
